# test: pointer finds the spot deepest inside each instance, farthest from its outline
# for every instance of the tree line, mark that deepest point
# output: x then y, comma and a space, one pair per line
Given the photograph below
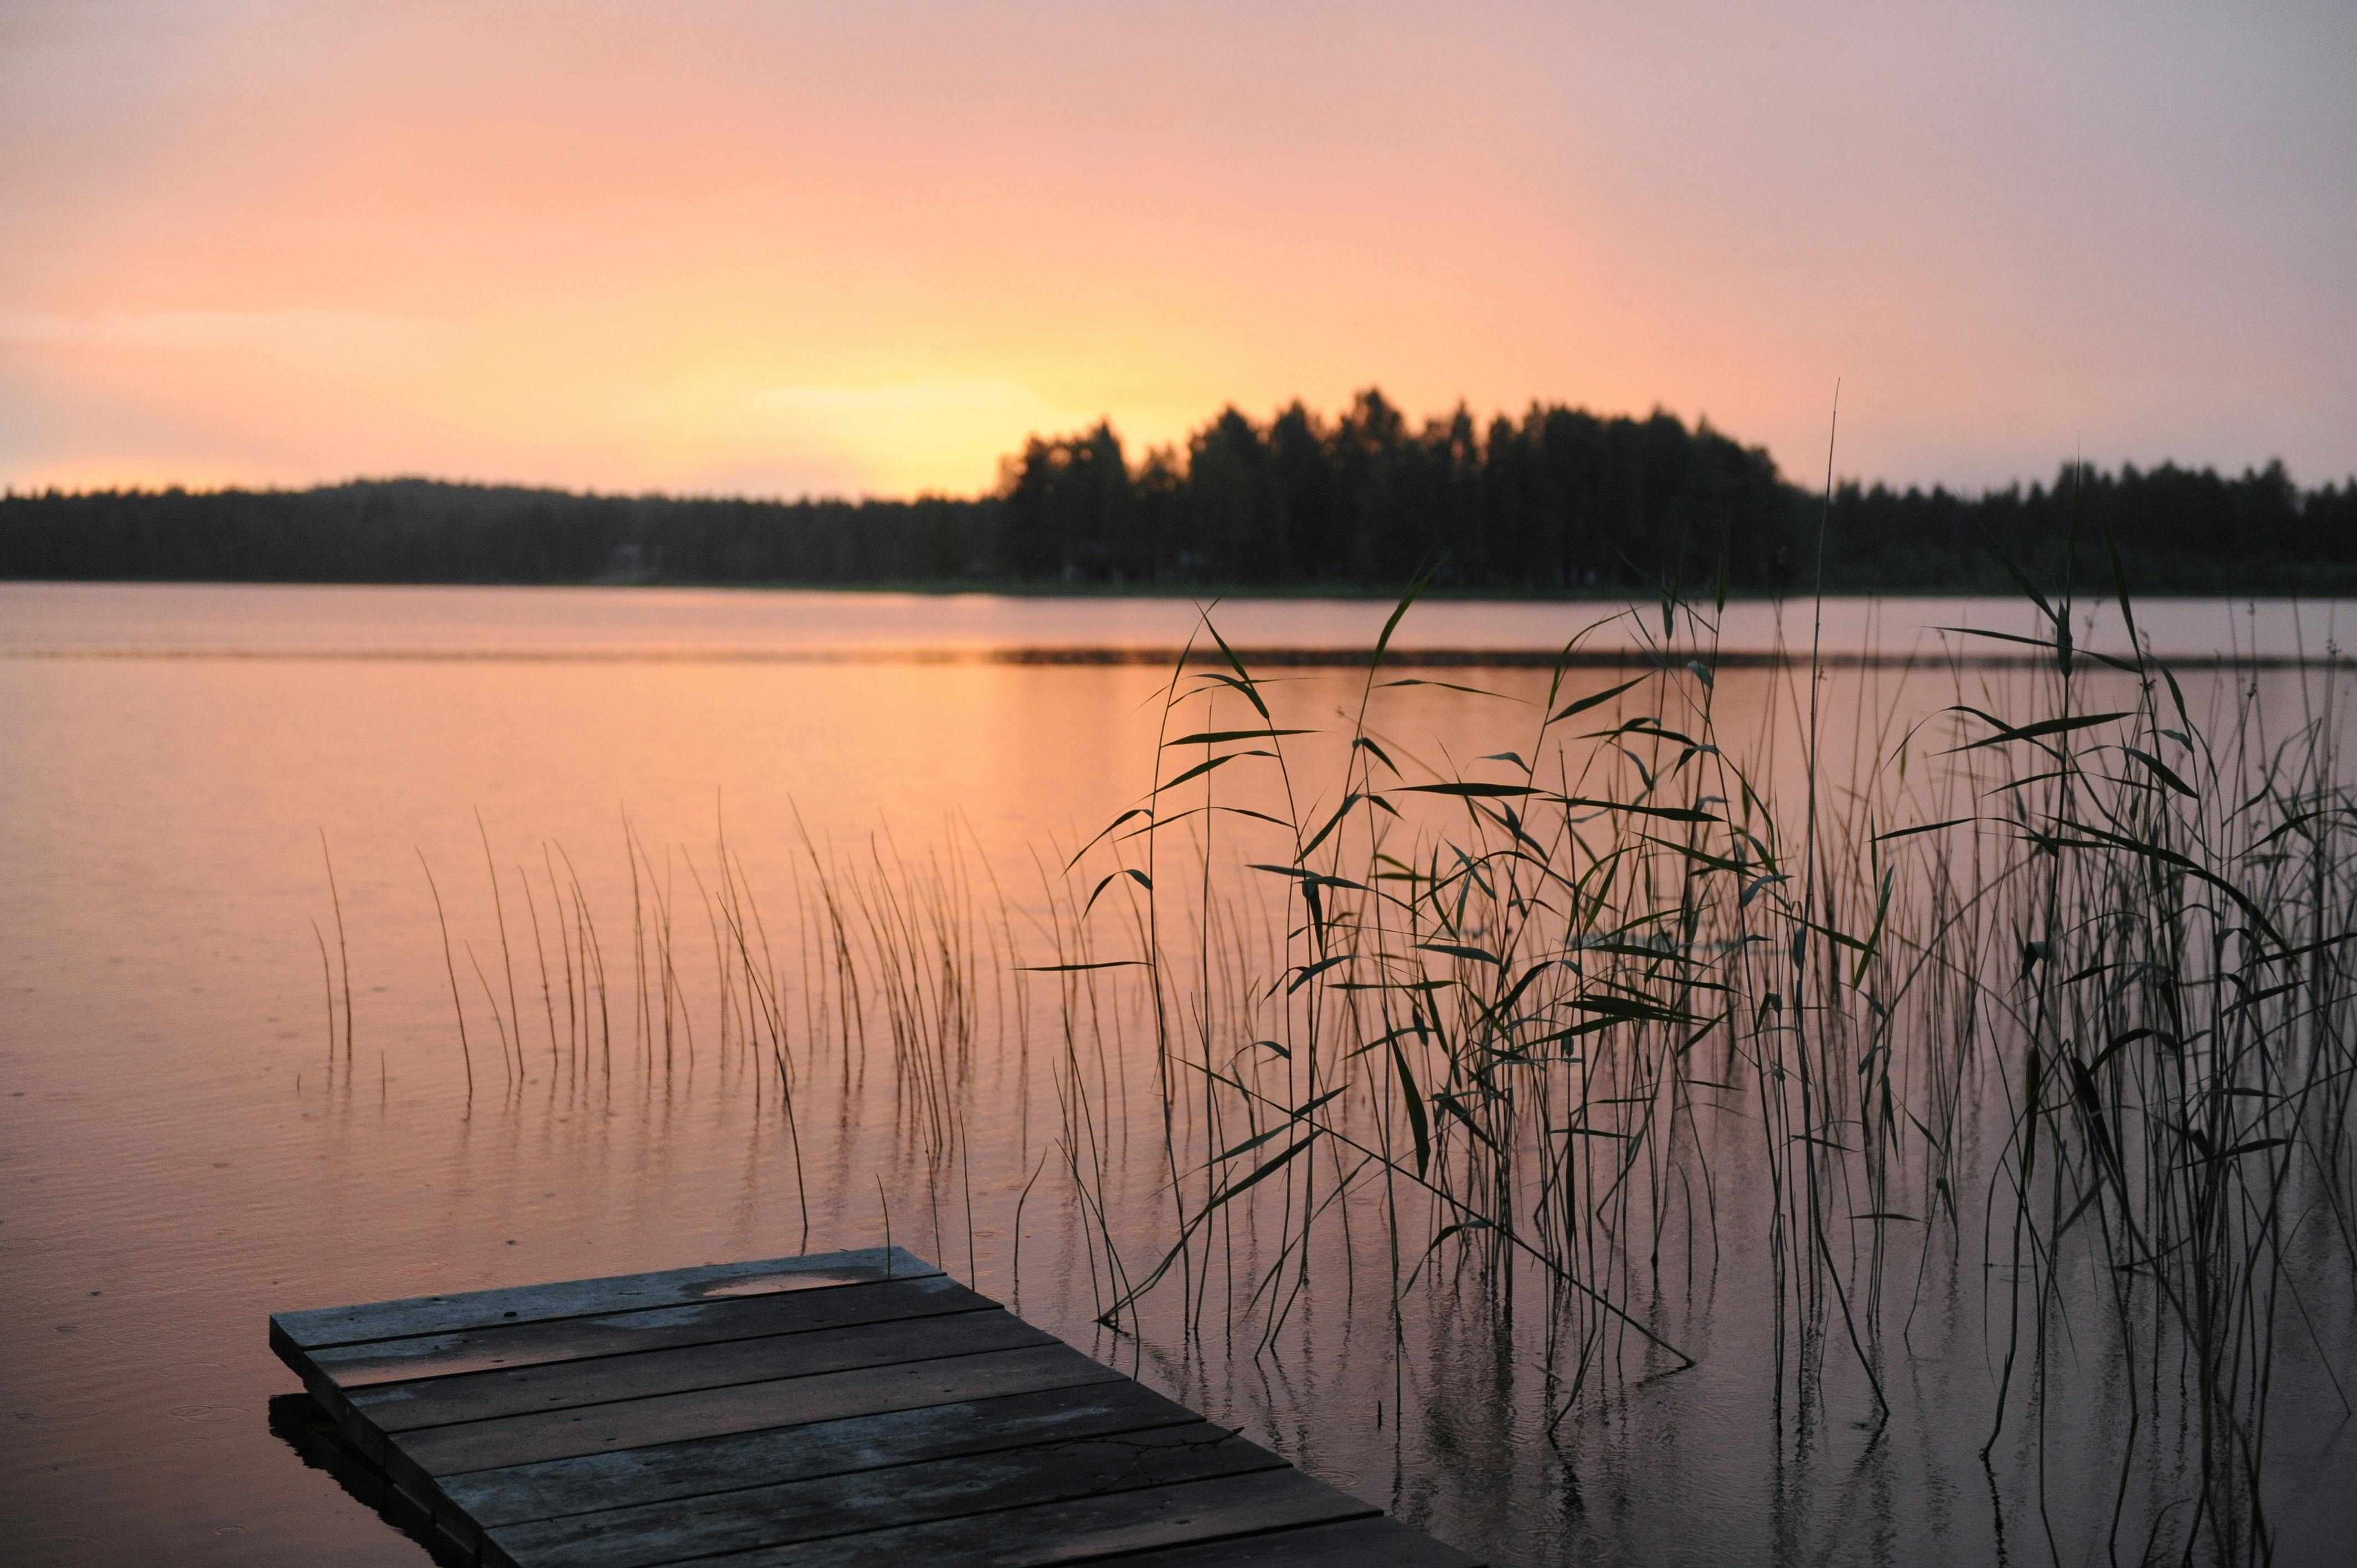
1559, 501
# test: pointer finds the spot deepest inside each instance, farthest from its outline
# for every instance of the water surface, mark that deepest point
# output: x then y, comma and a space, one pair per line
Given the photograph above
185, 1146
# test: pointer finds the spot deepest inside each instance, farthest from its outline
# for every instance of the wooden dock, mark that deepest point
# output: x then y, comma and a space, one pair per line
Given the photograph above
844, 1409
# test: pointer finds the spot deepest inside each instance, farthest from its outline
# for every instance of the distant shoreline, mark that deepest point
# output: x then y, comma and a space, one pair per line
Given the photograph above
1560, 505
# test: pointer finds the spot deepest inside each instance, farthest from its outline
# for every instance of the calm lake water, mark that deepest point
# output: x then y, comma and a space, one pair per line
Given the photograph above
186, 1144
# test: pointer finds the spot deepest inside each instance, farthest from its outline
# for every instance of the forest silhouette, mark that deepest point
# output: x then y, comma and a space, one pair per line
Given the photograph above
1559, 502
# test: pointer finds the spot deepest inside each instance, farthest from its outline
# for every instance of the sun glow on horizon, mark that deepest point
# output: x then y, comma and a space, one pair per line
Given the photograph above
786, 250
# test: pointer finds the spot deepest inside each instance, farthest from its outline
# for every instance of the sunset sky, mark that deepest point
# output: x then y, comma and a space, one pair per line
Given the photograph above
780, 248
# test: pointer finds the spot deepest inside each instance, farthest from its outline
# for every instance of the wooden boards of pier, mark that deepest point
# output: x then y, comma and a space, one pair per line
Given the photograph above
844, 1409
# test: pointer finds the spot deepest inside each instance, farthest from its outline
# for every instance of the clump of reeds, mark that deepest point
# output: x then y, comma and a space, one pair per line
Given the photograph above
1506, 1020
916, 954
2044, 987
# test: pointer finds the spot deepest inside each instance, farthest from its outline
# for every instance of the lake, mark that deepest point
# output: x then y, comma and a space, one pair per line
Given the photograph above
198, 1130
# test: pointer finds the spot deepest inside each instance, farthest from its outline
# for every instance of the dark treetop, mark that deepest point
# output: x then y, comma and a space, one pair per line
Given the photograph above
1560, 501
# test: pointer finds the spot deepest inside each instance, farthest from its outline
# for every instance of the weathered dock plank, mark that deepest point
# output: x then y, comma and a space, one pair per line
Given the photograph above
714, 1413
1348, 1543
1083, 1529
480, 1396
845, 1409
519, 1492
581, 1298
652, 1328
932, 1492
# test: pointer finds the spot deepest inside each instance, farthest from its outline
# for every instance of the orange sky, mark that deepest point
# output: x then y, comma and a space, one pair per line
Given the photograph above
780, 248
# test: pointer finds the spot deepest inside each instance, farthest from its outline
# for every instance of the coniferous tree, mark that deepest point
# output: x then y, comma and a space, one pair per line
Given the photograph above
1558, 500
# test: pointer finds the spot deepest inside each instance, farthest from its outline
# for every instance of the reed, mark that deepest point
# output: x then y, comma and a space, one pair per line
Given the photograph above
343, 950
458, 1006
506, 959
539, 951
1520, 1014
327, 979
